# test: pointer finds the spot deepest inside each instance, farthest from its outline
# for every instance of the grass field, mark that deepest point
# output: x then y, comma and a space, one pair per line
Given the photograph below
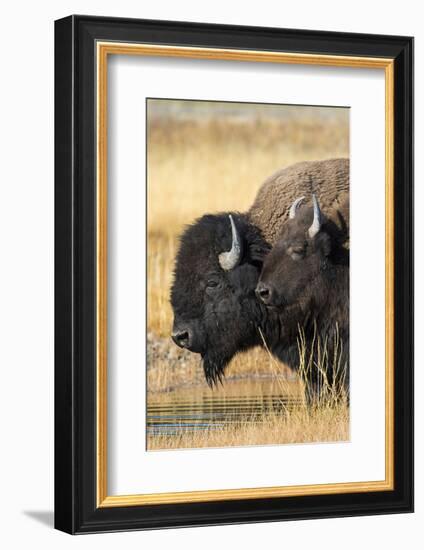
209, 160
300, 425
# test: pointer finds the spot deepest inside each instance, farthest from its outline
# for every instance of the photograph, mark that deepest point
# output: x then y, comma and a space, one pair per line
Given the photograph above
247, 274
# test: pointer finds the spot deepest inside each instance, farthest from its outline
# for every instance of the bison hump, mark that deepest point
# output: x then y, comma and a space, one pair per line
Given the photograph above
328, 179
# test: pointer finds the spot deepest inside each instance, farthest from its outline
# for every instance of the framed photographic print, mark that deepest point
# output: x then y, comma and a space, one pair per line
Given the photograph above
234, 274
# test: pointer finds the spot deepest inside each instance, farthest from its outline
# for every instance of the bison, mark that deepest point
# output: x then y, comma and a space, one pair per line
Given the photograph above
216, 310
308, 268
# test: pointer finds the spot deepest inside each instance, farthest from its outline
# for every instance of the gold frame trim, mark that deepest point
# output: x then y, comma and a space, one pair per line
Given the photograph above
119, 48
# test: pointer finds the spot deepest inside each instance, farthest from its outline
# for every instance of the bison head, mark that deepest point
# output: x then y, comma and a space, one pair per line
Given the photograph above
300, 255
213, 293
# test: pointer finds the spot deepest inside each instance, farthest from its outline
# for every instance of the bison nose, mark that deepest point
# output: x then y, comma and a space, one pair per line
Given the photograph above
264, 292
182, 338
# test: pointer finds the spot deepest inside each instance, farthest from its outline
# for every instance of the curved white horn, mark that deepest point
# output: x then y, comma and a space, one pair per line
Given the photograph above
294, 207
229, 260
316, 224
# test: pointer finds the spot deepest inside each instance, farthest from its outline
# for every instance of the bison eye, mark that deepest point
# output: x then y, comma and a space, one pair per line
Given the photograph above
297, 252
211, 283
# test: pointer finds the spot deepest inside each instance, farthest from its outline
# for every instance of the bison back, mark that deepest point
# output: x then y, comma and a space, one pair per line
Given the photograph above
328, 179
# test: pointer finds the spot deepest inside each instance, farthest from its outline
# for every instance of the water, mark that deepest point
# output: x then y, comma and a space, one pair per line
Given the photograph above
208, 410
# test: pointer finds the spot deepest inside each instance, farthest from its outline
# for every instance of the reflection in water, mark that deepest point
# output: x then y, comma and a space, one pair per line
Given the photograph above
179, 412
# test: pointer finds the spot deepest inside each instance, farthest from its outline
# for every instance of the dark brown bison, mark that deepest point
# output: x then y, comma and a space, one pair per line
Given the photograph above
308, 268
216, 310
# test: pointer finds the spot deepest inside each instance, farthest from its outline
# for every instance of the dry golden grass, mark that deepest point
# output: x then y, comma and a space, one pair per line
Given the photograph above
162, 249
198, 166
300, 425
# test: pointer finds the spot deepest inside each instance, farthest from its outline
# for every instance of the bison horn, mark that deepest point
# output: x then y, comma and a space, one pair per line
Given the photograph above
316, 224
229, 260
294, 207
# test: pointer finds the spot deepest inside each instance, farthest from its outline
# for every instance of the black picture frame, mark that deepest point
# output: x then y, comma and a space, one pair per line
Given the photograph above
76, 508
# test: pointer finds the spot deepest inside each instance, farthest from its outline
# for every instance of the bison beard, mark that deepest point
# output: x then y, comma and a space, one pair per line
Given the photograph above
230, 330
219, 350
214, 367
255, 325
